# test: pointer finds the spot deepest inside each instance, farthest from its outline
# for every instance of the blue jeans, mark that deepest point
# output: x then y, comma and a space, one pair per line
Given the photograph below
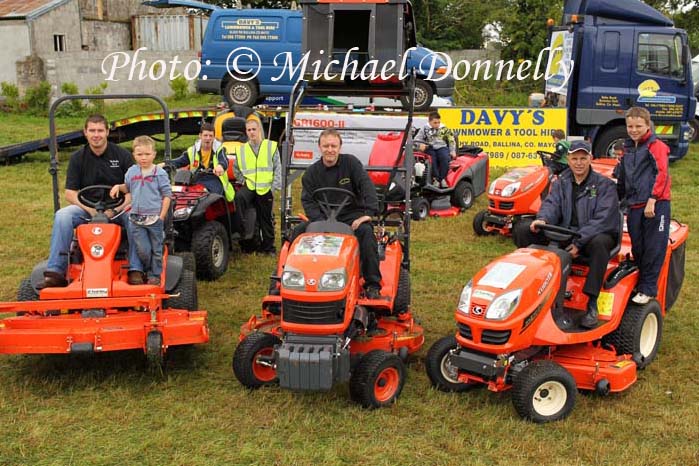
440, 162
146, 247
64, 222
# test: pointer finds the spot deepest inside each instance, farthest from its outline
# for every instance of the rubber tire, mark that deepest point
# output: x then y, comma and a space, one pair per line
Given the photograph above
188, 261
478, 222
604, 143
434, 365
627, 338
187, 288
154, 351
26, 291
211, 249
462, 197
247, 91
368, 374
694, 130
243, 359
420, 209
531, 380
402, 301
423, 96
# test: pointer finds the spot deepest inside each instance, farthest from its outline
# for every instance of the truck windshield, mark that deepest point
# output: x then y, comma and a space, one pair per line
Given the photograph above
660, 54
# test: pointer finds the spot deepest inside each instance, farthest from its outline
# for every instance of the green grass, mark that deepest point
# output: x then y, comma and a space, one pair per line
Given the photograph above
106, 409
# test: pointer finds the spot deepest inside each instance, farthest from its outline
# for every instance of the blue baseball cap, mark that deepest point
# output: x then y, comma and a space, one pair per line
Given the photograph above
580, 145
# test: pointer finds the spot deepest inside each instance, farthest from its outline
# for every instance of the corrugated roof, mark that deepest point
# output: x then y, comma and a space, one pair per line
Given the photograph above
17, 9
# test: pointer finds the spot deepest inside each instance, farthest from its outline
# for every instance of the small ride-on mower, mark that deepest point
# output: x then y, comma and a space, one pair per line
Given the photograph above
99, 310
467, 178
518, 327
316, 329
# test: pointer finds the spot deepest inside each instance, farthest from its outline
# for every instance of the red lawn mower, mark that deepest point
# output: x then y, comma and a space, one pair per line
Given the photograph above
99, 311
316, 328
518, 327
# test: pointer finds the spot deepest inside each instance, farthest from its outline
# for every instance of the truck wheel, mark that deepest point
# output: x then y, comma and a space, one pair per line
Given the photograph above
246, 367
639, 333
423, 96
604, 143
544, 392
693, 130
211, 249
462, 197
187, 290
378, 379
420, 208
441, 372
402, 301
240, 93
480, 223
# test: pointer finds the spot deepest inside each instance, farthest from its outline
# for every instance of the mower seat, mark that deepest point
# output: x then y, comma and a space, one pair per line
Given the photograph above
329, 226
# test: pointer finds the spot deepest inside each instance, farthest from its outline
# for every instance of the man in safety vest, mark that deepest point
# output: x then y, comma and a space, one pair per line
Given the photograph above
259, 166
208, 153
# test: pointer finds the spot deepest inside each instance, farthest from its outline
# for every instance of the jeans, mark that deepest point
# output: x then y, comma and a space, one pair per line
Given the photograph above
64, 222
146, 247
440, 162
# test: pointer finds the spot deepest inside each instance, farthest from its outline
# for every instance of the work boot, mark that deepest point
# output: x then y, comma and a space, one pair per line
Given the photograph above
372, 292
135, 277
589, 320
54, 279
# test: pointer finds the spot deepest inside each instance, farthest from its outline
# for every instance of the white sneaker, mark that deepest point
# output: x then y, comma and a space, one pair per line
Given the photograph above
444, 184
641, 298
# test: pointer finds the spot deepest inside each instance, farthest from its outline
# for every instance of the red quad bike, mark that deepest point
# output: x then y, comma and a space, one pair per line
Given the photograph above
518, 194
99, 311
317, 329
467, 178
518, 327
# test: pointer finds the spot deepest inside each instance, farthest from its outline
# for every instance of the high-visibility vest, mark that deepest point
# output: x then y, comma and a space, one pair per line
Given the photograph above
195, 160
258, 170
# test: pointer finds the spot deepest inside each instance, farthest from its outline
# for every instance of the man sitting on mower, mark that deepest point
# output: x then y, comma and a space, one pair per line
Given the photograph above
345, 171
585, 201
100, 162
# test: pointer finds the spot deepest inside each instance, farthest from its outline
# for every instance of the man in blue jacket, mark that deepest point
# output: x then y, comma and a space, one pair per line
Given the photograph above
587, 202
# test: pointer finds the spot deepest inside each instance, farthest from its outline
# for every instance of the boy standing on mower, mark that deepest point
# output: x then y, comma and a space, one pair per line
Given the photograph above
345, 171
438, 142
585, 201
149, 186
644, 183
99, 162
258, 166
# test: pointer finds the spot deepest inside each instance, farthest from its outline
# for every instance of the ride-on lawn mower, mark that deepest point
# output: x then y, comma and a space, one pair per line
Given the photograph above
518, 327
518, 194
467, 178
316, 329
99, 311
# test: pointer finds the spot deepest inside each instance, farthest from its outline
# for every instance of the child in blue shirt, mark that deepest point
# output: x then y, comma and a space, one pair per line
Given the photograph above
149, 187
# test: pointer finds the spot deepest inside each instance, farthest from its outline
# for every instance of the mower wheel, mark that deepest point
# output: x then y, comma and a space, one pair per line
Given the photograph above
543, 392
188, 261
26, 291
402, 301
378, 379
246, 367
639, 333
154, 351
211, 248
441, 372
420, 209
462, 197
187, 290
479, 223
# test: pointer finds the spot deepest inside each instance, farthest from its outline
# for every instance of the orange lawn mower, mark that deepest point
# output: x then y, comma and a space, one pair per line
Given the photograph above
518, 327
316, 328
99, 310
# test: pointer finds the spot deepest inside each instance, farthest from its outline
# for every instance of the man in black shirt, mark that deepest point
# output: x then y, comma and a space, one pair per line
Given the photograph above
98, 162
346, 171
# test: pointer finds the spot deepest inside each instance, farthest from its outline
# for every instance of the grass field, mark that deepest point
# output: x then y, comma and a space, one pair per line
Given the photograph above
107, 409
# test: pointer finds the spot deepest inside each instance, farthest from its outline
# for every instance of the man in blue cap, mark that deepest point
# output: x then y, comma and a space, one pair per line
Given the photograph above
587, 202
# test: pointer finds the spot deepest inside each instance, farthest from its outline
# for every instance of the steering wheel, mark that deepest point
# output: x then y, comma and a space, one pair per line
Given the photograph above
558, 233
329, 208
97, 197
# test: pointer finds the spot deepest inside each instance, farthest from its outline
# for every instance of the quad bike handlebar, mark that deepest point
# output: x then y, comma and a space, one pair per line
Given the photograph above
97, 196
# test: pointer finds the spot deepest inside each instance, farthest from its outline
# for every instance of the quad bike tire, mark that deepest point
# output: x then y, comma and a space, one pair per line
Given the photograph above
639, 333
544, 392
420, 209
187, 289
402, 301
441, 373
377, 380
245, 367
479, 223
211, 250
462, 197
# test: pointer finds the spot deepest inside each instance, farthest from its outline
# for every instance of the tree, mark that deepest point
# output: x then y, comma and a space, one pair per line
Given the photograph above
522, 26
451, 24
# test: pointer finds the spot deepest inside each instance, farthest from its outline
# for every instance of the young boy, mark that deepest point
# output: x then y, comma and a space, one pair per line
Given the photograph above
437, 141
561, 161
643, 180
150, 191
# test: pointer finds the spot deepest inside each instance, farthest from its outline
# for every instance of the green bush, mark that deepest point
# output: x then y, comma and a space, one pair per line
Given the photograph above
37, 98
180, 88
72, 107
96, 105
11, 93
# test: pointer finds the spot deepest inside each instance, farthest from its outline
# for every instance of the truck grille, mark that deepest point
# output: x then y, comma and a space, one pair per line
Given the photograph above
299, 312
